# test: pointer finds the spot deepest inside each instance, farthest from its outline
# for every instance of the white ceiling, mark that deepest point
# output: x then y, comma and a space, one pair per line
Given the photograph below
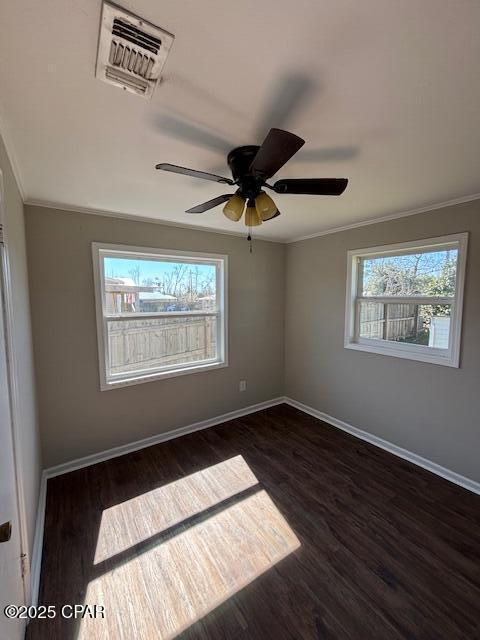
386, 93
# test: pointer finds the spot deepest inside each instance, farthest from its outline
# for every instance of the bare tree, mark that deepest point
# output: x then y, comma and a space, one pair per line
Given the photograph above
135, 273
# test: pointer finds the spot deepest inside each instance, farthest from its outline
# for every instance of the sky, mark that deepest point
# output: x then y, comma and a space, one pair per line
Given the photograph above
120, 267
430, 263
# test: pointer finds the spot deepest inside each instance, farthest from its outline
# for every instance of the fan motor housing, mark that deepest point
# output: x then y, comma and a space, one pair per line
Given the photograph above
240, 159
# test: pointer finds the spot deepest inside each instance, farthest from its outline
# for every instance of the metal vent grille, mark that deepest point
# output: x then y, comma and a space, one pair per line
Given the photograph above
118, 77
131, 51
130, 59
135, 36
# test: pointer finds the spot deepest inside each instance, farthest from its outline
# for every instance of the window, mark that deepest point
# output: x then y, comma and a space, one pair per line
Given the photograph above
159, 313
405, 300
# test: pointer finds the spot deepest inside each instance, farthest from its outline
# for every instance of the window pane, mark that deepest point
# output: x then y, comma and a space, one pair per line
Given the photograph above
431, 273
371, 319
427, 325
139, 345
141, 285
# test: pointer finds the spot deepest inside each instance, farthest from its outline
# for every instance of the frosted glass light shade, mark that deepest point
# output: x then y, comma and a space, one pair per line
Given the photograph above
233, 210
265, 206
252, 219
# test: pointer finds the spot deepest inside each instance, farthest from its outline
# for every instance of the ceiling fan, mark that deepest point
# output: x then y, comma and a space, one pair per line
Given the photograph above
251, 167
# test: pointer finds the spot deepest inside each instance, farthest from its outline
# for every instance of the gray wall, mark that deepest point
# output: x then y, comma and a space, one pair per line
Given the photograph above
76, 417
428, 409
431, 410
26, 420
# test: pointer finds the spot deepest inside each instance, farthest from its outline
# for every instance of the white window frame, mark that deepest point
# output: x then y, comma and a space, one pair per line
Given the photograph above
449, 357
100, 249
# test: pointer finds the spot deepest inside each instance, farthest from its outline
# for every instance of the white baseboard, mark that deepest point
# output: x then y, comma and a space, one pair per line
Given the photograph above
86, 461
456, 478
113, 453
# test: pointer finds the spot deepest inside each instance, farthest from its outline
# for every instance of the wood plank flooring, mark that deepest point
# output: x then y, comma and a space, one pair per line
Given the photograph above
272, 526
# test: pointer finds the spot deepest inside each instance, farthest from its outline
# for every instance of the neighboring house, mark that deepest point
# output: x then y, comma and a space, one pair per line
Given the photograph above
206, 303
155, 301
124, 296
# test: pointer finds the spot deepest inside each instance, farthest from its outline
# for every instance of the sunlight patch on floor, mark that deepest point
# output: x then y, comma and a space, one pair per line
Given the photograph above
162, 591
135, 520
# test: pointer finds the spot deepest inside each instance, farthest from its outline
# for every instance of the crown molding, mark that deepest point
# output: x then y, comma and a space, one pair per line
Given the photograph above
130, 216
388, 217
7, 139
12, 156
182, 225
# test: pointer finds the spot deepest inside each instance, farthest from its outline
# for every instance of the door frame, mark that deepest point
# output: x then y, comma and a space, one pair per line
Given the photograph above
14, 396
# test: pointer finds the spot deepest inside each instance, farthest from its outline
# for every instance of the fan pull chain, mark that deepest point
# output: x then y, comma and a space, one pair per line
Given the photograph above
249, 240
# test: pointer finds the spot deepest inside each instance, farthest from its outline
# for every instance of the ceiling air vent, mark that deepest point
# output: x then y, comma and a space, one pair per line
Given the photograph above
131, 51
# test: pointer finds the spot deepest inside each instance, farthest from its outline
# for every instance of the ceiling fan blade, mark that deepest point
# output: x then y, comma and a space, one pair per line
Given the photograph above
277, 148
193, 173
328, 154
200, 208
193, 134
312, 186
291, 93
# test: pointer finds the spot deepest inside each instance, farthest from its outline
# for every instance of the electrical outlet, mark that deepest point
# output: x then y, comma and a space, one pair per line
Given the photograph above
243, 385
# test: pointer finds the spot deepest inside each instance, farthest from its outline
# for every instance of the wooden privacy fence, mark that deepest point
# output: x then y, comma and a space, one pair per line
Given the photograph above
160, 342
389, 321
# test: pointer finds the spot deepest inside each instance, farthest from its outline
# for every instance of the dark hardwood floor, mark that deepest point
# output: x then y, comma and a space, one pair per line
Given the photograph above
337, 539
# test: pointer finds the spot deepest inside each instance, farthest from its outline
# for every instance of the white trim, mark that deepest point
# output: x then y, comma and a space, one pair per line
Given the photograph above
115, 452
149, 315
402, 351
405, 248
86, 461
139, 377
388, 217
170, 223
433, 467
199, 367
447, 357
36, 564
14, 392
407, 299
69, 208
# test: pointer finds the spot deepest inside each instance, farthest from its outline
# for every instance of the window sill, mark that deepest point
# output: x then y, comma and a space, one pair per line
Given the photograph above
447, 360
160, 375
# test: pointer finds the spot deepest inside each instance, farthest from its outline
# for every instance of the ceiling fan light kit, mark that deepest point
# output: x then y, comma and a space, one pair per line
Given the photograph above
251, 167
265, 206
252, 219
234, 208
